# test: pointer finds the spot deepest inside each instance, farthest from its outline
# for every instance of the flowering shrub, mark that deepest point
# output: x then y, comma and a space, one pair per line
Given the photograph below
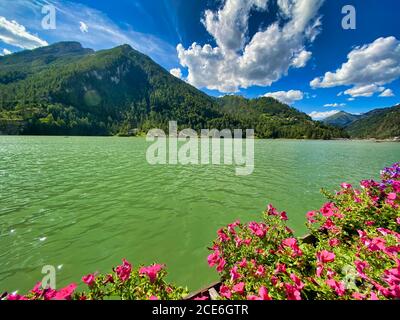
125, 283
352, 252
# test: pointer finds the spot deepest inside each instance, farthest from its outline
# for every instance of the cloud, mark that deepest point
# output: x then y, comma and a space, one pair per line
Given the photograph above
177, 72
104, 32
387, 93
364, 91
287, 97
83, 27
238, 61
367, 69
5, 52
316, 115
15, 34
335, 105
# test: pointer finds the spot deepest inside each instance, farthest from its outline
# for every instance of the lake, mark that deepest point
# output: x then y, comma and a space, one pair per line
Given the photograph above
82, 203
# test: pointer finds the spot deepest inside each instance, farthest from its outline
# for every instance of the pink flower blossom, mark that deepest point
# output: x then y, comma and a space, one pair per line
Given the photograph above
334, 242
221, 265
346, 186
280, 268
153, 298
398, 220
243, 263
292, 293
90, 279
299, 285
234, 273
65, 293
392, 196
292, 244
260, 272
151, 271
337, 286
325, 256
239, 288
263, 295
225, 292
311, 216
124, 271
15, 296
222, 236
358, 296
360, 267
213, 258
260, 230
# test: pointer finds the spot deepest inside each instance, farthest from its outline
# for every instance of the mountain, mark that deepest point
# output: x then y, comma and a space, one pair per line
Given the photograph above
379, 124
65, 89
341, 119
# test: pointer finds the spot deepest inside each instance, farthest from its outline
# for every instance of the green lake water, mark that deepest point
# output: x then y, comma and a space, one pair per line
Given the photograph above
83, 204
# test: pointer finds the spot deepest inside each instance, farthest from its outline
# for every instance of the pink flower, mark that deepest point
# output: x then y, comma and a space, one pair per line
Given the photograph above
260, 230
369, 223
374, 296
263, 292
65, 293
221, 265
392, 196
284, 216
325, 256
358, 296
377, 244
234, 273
13, 297
201, 298
299, 285
213, 258
222, 236
398, 220
153, 298
361, 266
280, 268
263, 295
292, 293
37, 289
334, 242
292, 244
337, 286
260, 272
239, 288
151, 271
90, 279
311, 216
328, 210
243, 263
124, 271
225, 292
346, 186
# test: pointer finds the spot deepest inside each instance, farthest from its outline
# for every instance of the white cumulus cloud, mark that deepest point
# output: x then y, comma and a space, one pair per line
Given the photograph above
5, 52
367, 70
15, 34
317, 115
177, 72
238, 61
387, 93
335, 105
287, 97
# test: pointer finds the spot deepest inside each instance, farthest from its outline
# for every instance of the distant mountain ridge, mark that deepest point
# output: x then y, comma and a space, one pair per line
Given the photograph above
379, 123
65, 89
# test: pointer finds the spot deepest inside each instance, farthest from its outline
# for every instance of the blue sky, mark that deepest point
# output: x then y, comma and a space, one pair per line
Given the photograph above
294, 50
